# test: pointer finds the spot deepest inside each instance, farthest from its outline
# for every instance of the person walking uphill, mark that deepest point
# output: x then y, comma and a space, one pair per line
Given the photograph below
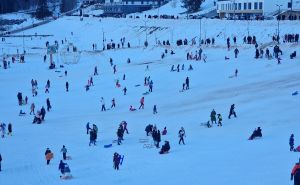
48, 104
181, 135
291, 142
142, 103
232, 112
48, 155
295, 174
64, 151
116, 160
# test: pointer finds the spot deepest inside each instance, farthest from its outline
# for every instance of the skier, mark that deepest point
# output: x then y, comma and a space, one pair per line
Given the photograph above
116, 160
103, 104
213, 116
232, 112
142, 103
67, 86
32, 106
113, 103
64, 151
181, 134
48, 104
219, 120
291, 142
295, 174
154, 109
48, 155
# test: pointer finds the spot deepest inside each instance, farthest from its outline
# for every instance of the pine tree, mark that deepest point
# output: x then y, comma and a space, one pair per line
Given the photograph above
192, 5
42, 10
67, 5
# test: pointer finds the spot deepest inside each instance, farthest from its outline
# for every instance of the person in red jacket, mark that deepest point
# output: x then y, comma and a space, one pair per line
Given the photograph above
296, 174
142, 103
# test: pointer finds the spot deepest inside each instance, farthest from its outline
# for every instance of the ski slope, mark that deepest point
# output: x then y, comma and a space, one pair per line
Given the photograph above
218, 155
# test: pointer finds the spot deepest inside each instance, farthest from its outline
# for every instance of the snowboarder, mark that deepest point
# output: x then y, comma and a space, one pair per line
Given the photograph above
103, 104
232, 112
64, 151
48, 155
142, 103
291, 142
181, 135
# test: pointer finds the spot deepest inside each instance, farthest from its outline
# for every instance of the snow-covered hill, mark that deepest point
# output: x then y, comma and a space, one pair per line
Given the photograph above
218, 155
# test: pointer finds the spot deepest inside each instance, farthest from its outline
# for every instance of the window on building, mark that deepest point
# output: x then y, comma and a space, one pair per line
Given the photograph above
239, 6
260, 5
249, 6
245, 6
255, 6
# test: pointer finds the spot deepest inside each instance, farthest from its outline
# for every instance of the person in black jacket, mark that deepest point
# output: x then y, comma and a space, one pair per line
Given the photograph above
232, 112
48, 104
9, 128
0, 162
120, 134
116, 160
291, 142
165, 148
43, 113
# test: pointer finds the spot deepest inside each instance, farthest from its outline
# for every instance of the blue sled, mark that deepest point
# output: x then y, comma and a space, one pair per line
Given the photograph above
295, 93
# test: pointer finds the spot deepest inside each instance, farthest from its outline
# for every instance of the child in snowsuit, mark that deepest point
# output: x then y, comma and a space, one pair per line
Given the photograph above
256, 133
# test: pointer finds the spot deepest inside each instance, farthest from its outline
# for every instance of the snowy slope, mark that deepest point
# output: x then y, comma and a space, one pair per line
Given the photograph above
261, 92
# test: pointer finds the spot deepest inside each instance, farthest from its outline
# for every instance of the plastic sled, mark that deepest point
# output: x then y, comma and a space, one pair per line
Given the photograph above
108, 146
295, 93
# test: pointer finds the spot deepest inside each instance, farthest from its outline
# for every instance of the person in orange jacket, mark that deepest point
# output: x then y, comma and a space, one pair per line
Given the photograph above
48, 155
296, 174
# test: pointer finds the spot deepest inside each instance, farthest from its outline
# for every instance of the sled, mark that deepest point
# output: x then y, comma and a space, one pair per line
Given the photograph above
295, 93
147, 145
143, 140
108, 146
121, 159
66, 177
145, 93
137, 85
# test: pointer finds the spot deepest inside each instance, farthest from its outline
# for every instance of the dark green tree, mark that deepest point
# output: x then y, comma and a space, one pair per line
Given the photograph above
67, 5
42, 10
192, 5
